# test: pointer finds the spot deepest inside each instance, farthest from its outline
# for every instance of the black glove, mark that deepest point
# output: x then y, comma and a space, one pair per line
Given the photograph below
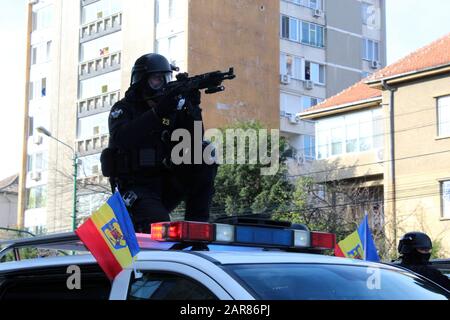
166, 106
194, 97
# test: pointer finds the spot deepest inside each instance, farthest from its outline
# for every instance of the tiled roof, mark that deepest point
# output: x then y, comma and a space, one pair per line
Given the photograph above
434, 54
358, 92
10, 184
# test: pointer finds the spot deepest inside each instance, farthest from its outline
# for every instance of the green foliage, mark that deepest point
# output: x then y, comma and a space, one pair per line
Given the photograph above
241, 189
436, 251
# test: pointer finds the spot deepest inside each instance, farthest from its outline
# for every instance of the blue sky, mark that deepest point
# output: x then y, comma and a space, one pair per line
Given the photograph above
411, 24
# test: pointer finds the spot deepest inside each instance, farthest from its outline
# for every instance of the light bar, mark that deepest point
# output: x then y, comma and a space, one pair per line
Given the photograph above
247, 235
182, 230
302, 238
322, 240
224, 232
267, 236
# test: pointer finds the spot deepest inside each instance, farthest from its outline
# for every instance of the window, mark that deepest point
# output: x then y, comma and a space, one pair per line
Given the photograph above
89, 203
301, 31
31, 90
93, 125
160, 286
167, 10
285, 27
29, 163
49, 50
445, 198
172, 47
354, 132
280, 281
312, 34
51, 284
33, 55
40, 53
291, 65
43, 87
366, 10
101, 46
313, 4
443, 104
315, 72
293, 29
371, 50
95, 86
36, 197
308, 102
100, 9
43, 18
30, 126
309, 147
290, 104
87, 165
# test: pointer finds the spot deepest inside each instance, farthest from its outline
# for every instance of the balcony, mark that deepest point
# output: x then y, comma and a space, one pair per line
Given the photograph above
101, 27
94, 180
104, 64
88, 2
98, 104
92, 145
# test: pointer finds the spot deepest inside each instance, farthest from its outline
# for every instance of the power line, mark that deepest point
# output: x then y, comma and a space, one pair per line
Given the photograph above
370, 163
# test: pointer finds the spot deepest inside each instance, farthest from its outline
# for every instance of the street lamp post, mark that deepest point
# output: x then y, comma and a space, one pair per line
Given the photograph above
75, 173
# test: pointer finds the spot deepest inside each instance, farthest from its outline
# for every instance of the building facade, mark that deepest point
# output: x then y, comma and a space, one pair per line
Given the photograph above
392, 132
79, 64
325, 47
8, 201
287, 55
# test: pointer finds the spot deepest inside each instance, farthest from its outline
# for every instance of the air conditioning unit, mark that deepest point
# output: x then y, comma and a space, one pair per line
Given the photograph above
317, 13
285, 78
309, 84
35, 175
300, 159
293, 119
374, 64
37, 139
379, 155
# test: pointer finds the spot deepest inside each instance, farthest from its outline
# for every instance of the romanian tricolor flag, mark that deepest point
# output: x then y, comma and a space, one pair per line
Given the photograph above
358, 245
110, 237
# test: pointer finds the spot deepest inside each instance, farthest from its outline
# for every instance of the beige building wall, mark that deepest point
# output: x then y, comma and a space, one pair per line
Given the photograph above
219, 38
138, 28
63, 119
422, 159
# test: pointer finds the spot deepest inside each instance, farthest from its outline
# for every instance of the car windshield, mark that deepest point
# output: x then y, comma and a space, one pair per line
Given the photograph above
332, 282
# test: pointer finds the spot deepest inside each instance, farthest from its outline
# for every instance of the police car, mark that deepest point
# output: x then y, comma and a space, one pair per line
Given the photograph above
443, 265
239, 259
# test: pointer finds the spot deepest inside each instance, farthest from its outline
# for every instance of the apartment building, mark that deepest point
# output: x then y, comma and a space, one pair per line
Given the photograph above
325, 47
287, 55
79, 64
8, 201
390, 133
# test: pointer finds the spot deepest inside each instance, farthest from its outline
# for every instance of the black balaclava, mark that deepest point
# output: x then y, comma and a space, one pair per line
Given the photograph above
415, 257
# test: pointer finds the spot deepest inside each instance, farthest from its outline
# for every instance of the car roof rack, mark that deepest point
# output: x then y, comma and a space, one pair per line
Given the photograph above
69, 241
261, 220
61, 241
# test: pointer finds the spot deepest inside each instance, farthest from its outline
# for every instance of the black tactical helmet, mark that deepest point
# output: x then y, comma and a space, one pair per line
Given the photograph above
414, 240
150, 63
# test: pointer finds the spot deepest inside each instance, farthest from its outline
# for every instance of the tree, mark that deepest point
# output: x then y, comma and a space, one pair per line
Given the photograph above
242, 189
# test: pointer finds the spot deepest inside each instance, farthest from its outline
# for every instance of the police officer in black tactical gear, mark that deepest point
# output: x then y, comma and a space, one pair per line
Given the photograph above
138, 158
415, 248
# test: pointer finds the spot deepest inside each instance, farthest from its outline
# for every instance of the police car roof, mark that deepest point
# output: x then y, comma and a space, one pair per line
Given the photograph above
196, 258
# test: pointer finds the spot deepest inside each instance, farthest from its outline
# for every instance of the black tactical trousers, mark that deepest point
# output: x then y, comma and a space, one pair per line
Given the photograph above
159, 195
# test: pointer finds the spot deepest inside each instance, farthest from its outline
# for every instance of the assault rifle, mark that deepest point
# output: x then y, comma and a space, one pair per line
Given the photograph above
211, 81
